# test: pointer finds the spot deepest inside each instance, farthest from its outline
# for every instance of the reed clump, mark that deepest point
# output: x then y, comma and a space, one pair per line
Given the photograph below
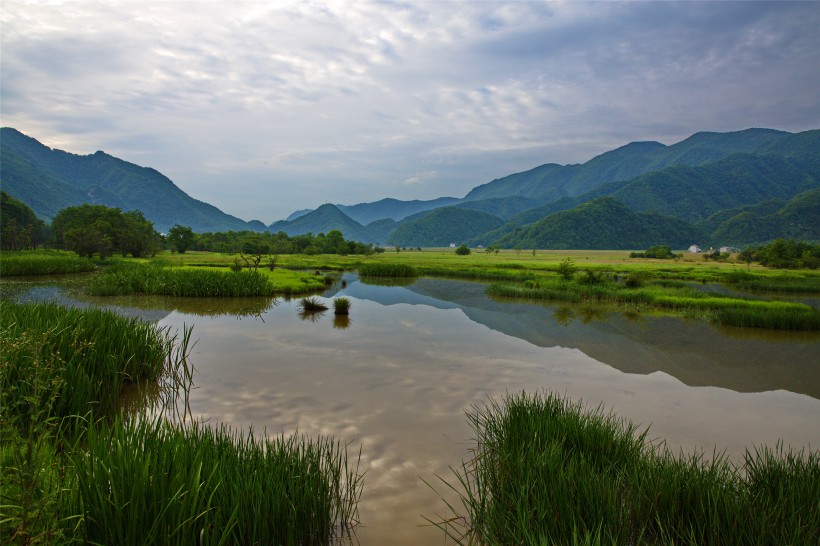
42, 262
548, 471
341, 306
78, 469
135, 278
151, 482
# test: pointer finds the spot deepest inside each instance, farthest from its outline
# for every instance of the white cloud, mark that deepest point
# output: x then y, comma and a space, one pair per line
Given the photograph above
297, 103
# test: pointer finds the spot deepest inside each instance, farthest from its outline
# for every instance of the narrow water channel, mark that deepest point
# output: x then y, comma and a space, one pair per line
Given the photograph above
396, 379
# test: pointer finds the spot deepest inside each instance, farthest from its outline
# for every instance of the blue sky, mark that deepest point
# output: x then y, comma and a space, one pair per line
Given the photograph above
263, 108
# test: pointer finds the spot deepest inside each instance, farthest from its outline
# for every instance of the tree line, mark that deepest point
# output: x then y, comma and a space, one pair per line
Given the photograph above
91, 230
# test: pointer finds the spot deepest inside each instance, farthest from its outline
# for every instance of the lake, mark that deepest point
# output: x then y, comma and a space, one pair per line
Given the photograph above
396, 379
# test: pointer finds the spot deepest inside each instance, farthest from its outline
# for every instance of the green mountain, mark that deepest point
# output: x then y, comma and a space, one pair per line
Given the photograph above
551, 182
365, 213
49, 180
323, 220
443, 226
797, 219
603, 223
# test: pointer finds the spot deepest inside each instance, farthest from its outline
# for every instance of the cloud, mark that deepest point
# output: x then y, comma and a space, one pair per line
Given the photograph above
296, 103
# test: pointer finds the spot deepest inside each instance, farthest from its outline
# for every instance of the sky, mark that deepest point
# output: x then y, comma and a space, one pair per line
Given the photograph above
264, 108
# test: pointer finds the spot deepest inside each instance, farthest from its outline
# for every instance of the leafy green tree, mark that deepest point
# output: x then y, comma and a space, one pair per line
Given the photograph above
19, 226
463, 250
136, 235
96, 229
566, 269
181, 238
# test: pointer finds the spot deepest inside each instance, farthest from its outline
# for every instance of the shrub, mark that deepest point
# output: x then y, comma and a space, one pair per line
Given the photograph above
566, 269
463, 250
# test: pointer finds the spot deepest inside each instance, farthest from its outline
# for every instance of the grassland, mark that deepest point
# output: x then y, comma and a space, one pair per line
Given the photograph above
548, 471
42, 262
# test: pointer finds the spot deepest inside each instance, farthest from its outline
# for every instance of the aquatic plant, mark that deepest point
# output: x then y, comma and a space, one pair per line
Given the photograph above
135, 278
547, 470
341, 306
312, 304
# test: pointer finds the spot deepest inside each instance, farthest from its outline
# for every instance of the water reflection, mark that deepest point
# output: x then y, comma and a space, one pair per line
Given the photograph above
397, 384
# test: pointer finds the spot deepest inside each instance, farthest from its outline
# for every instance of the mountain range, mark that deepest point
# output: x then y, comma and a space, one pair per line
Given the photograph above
733, 188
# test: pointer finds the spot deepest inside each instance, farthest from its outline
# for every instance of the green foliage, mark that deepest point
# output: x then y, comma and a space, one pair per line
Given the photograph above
312, 305
89, 355
42, 262
341, 306
442, 226
180, 238
566, 269
250, 242
659, 252
19, 226
387, 270
150, 482
602, 224
463, 250
549, 471
173, 281
97, 229
783, 254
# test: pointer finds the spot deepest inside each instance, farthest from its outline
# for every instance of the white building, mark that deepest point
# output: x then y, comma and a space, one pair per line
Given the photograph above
694, 249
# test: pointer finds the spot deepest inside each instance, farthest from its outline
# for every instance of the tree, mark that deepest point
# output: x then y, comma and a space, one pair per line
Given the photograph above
463, 250
92, 229
566, 269
19, 226
181, 238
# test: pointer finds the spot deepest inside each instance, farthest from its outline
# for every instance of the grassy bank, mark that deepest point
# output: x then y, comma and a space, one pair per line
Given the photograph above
547, 471
78, 470
675, 296
42, 262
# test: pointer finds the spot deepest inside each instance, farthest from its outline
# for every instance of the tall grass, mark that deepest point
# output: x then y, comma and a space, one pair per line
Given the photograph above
144, 478
548, 471
149, 482
135, 278
78, 358
387, 270
42, 263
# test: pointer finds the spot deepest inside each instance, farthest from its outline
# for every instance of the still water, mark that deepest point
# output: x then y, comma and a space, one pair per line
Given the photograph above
396, 378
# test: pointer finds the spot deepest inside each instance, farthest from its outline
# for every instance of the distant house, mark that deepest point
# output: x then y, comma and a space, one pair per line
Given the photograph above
694, 249
729, 250
452, 245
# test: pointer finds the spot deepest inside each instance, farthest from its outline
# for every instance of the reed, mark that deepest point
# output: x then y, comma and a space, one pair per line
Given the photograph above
41, 262
548, 471
341, 306
134, 278
150, 482
309, 305
80, 358
378, 269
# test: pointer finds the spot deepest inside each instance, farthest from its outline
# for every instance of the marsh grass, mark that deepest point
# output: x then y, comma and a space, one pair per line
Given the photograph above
135, 278
75, 361
150, 482
546, 470
76, 469
42, 262
667, 295
341, 306
378, 269
312, 305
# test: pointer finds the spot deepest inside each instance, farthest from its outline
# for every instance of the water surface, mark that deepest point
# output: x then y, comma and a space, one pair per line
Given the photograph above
397, 377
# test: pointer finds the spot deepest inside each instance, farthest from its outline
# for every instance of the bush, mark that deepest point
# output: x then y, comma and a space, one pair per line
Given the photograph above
566, 269
463, 250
